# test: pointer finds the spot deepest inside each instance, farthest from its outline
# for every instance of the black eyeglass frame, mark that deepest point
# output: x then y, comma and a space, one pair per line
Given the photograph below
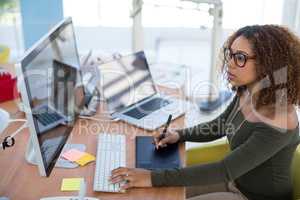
234, 55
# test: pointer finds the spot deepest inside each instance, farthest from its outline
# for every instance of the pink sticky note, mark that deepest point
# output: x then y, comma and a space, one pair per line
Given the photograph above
73, 155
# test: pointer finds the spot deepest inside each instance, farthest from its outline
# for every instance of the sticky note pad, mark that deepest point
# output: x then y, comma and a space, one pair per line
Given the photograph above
86, 158
71, 184
73, 155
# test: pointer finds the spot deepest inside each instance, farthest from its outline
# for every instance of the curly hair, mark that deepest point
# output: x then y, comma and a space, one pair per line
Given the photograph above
277, 61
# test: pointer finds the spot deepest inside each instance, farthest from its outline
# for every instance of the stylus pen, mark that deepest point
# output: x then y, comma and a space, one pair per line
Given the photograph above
163, 135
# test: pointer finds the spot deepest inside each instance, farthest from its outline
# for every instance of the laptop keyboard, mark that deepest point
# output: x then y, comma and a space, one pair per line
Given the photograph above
147, 108
48, 118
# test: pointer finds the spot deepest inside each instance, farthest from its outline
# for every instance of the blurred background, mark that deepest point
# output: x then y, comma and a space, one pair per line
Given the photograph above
181, 38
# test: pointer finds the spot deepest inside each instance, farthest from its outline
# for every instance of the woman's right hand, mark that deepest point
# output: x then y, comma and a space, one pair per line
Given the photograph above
171, 137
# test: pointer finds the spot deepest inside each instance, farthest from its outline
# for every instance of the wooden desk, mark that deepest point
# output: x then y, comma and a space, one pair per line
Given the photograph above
20, 180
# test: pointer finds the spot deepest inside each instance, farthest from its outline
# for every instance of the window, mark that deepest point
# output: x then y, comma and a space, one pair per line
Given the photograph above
248, 12
173, 13
9, 12
109, 13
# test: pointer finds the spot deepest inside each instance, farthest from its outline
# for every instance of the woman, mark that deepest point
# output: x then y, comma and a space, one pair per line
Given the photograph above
262, 64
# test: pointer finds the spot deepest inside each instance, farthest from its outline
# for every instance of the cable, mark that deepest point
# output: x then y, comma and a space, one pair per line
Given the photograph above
18, 120
9, 141
19, 129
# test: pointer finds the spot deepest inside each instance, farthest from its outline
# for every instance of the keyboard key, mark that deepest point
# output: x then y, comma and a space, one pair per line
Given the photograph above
48, 118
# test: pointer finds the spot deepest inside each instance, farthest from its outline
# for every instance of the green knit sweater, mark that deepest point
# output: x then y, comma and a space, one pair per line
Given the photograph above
259, 162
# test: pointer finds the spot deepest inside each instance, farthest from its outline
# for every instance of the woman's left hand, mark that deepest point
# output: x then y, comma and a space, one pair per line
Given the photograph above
133, 177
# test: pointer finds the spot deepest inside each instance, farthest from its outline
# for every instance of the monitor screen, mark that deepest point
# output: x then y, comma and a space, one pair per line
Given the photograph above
126, 81
51, 77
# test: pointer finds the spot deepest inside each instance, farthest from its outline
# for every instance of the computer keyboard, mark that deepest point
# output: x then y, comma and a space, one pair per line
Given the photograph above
111, 154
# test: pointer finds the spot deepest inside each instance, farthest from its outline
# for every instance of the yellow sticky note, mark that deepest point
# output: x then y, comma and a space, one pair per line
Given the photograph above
86, 158
71, 184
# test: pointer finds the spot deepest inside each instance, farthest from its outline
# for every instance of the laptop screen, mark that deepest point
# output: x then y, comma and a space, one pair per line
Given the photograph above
126, 81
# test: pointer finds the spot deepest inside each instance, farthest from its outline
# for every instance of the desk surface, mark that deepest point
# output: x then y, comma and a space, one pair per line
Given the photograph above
20, 180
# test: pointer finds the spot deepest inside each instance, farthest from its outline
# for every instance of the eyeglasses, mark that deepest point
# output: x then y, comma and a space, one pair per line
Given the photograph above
240, 58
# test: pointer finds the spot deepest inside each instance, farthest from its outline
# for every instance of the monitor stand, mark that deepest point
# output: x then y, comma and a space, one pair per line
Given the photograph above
60, 163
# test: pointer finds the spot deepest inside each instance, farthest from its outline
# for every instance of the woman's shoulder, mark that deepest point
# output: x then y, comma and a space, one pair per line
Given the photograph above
278, 117
286, 119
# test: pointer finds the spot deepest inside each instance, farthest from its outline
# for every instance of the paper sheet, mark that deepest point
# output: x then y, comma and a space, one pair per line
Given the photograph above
85, 159
73, 155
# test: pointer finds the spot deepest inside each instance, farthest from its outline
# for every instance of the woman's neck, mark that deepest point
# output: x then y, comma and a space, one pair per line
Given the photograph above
252, 88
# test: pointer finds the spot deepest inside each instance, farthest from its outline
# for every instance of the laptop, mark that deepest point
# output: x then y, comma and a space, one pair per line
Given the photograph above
54, 111
132, 96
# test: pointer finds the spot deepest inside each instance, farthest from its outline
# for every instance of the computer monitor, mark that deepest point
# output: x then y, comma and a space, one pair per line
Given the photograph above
51, 91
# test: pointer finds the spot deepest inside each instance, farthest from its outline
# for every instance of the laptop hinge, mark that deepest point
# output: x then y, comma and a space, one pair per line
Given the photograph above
132, 105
